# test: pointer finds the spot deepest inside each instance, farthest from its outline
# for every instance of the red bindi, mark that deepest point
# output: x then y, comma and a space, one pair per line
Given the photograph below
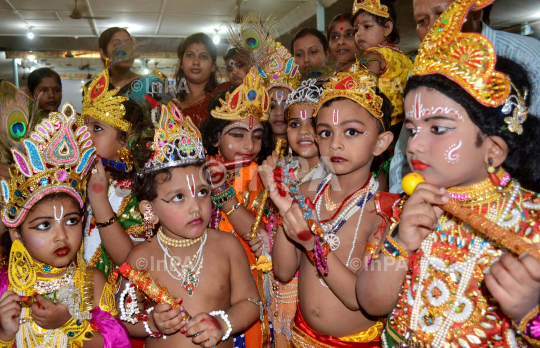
341, 28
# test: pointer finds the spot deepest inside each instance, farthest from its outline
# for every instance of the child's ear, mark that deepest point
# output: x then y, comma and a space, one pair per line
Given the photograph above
388, 27
497, 150
216, 144
143, 205
15, 234
384, 140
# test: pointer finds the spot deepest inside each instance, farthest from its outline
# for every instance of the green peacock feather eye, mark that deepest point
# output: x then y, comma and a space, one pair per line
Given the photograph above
18, 130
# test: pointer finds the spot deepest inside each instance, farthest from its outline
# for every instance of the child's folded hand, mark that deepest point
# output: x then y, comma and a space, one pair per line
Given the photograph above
259, 244
167, 321
10, 310
419, 217
515, 284
278, 191
98, 185
296, 228
205, 330
49, 315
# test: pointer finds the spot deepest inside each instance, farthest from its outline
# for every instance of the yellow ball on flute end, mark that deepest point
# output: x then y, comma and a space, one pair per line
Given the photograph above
410, 181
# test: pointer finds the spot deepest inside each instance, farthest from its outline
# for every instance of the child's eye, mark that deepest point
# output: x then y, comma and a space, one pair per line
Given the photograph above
43, 226
97, 128
294, 124
73, 221
412, 131
236, 135
229, 69
440, 130
352, 132
257, 136
203, 192
178, 197
325, 133
239, 65
367, 26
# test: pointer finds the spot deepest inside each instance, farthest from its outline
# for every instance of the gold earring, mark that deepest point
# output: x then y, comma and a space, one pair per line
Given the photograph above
21, 267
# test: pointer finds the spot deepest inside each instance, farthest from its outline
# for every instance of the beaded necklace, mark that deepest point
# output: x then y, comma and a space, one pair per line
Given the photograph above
179, 243
477, 247
188, 274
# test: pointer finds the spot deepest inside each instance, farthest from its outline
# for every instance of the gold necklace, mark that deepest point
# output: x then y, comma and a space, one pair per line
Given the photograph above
483, 192
178, 243
312, 168
48, 269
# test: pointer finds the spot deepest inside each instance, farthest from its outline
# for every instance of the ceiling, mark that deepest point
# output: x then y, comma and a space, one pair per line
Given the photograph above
160, 25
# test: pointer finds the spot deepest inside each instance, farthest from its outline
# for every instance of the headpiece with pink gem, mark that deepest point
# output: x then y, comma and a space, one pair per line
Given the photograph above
55, 157
177, 142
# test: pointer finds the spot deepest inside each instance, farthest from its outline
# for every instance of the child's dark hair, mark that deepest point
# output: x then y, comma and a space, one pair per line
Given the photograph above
344, 17
182, 48
393, 37
386, 109
5, 239
230, 53
211, 128
522, 162
37, 75
310, 31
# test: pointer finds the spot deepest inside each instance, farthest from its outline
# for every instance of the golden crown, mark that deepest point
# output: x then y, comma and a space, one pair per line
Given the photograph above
177, 141
466, 58
279, 69
249, 99
105, 105
356, 85
56, 158
372, 6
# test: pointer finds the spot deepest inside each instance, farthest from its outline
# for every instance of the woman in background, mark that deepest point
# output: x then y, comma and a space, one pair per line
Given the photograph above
309, 48
196, 80
45, 86
341, 44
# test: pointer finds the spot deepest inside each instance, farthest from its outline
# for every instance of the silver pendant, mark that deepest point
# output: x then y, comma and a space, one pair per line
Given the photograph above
333, 241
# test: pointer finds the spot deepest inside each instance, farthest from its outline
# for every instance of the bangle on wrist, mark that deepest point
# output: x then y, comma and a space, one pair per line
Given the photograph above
145, 318
529, 326
393, 250
261, 307
236, 206
223, 197
225, 318
107, 223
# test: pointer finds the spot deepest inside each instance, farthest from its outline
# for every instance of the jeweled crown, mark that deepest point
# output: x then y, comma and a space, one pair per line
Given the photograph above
105, 105
56, 158
466, 58
177, 141
356, 85
371, 6
308, 93
279, 69
249, 99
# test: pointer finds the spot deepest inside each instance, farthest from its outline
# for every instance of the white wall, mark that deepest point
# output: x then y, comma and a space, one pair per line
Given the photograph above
72, 92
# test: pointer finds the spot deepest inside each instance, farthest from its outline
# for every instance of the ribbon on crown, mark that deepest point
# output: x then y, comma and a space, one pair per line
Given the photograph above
249, 99
466, 58
105, 105
56, 157
177, 141
372, 6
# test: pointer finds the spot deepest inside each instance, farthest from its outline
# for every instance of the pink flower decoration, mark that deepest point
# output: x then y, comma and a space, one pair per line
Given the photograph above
61, 175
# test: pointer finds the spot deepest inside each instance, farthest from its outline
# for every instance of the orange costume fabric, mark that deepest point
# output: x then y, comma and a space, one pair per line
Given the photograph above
247, 186
305, 336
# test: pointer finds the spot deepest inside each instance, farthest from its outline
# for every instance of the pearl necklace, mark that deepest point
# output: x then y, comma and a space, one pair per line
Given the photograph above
188, 274
178, 243
478, 247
